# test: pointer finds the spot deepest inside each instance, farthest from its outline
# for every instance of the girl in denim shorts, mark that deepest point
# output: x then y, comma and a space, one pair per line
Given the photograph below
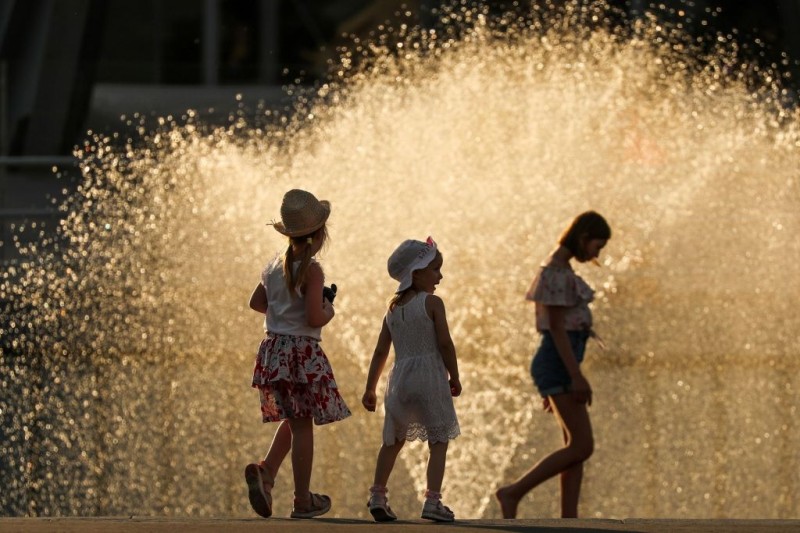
564, 321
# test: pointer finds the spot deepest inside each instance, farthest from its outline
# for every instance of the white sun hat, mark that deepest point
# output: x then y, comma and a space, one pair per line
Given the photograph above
411, 255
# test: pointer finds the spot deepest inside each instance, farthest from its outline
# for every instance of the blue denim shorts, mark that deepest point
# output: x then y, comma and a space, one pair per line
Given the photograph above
548, 370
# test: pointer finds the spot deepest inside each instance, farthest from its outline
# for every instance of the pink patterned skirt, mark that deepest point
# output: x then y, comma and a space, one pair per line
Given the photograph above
295, 380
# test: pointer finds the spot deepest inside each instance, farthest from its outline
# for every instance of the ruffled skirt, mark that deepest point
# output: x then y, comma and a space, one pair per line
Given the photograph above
295, 380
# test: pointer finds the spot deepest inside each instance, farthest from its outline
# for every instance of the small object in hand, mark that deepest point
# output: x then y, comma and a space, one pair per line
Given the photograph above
329, 293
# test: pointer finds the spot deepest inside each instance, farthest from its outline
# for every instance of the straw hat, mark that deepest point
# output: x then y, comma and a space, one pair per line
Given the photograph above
411, 255
301, 213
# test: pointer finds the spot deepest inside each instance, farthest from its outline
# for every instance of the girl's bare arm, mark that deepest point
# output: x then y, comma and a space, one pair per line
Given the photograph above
318, 312
580, 386
258, 300
379, 356
435, 307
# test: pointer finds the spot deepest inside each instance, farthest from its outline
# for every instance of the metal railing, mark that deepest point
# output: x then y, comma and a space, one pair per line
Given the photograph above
26, 161
10, 213
37, 160
6, 179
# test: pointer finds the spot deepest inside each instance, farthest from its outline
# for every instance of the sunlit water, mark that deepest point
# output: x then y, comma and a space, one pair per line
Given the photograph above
129, 352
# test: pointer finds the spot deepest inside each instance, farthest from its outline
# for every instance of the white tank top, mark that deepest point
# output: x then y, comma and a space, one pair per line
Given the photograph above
286, 315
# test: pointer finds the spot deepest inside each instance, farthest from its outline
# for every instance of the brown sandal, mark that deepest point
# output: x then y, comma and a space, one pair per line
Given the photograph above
319, 504
259, 488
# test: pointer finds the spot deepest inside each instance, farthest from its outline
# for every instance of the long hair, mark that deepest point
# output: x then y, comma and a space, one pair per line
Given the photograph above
294, 280
396, 298
586, 226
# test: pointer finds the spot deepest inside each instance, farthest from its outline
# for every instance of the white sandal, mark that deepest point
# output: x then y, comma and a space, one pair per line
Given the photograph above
435, 510
379, 505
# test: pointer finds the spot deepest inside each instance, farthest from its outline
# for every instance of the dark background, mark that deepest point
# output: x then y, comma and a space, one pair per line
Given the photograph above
71, 66
56, 53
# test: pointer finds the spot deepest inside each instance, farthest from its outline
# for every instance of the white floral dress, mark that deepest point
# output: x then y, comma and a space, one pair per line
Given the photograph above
418, 404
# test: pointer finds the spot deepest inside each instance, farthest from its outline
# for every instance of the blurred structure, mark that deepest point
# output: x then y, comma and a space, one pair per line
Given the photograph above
70, 66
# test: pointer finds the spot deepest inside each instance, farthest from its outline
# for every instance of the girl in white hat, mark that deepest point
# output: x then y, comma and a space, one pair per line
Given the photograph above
292, 374
418, 402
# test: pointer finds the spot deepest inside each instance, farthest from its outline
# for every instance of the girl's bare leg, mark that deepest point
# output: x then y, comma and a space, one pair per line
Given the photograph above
436, 464
578, 437
571, 479
579, 445
570, 482
386, 459
281, 444
302, 456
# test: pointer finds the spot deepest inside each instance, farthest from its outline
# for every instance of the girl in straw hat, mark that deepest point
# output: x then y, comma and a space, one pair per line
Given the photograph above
564, 320
418, 400
292, 373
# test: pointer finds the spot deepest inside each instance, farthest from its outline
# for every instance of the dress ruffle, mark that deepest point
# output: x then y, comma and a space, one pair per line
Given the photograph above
418, 404
421, 432
295, 380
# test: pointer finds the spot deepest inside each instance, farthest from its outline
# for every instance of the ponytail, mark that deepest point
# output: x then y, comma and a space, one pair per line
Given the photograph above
293, 281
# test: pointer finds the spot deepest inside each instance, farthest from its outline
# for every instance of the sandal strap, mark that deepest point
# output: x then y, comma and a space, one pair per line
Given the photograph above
378, 489
266, 476
315, 501
319, 501
431, 495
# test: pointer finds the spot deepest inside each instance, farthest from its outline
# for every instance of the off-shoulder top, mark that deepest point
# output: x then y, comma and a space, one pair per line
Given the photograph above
561, 286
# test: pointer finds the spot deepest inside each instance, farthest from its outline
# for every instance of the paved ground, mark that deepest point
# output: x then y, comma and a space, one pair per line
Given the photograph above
339, 525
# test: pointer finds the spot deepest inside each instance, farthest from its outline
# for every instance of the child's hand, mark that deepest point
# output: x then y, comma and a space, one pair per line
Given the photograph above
327, 308
581, 390
455, 387
369, 400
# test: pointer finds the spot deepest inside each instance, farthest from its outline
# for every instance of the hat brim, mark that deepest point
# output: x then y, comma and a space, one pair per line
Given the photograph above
406, 283
280, 228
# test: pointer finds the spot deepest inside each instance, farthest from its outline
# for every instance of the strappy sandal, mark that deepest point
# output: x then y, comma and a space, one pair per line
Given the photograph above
378, 505
436, 511
380, 510
318, 505
259, 488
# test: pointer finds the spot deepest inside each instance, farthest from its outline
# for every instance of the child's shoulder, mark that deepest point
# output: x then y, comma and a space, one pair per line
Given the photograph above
555, 275
433, 302
274, 267
555, 262
315, 269
429, 296
274, 262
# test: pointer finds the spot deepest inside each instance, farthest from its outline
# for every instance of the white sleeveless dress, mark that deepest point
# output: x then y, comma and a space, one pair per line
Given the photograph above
418, 404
